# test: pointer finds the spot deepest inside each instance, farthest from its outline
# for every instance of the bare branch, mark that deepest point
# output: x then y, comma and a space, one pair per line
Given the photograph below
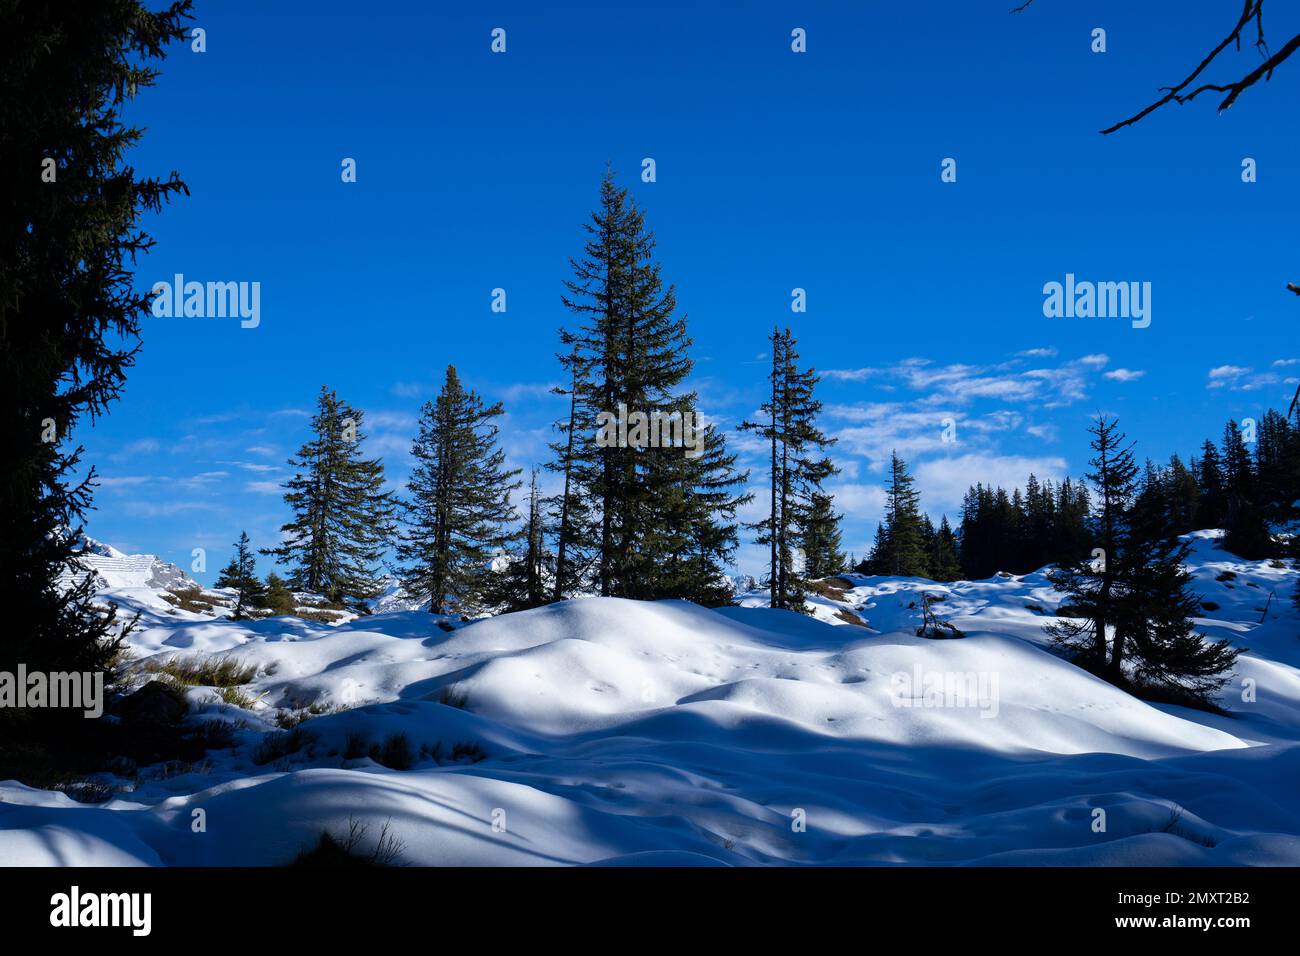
1252, 10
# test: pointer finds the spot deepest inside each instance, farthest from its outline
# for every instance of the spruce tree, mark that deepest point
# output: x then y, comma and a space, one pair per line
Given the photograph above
796, 471
276, 597
573, 509
878, 553
522, 583
686, 549
241, 574
1092, 583
636, 519
342, 516
1129, 609
821, 539
1246, 531
900, 549
1154, 645
1213, 503
1183, 495
1071, 537
944, 563
69, 312
457, 517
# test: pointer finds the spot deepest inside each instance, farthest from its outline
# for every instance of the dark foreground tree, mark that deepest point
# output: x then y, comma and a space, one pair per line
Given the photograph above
241, 574
456, 520
342, 516
70, 314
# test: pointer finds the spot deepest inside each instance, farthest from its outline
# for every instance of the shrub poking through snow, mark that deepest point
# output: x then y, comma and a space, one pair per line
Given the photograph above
292, 717
453, 696
226, 672
396, 753
931, 626
235, 697
470, 752
276, 746
194, 600
348, 850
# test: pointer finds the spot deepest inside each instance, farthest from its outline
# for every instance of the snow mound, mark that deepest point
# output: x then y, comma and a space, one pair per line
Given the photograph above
612, 732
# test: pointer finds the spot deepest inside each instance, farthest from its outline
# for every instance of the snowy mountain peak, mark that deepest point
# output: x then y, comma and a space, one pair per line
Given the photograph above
115, 569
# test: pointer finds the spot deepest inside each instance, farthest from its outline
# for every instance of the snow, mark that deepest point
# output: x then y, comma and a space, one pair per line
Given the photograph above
614, 732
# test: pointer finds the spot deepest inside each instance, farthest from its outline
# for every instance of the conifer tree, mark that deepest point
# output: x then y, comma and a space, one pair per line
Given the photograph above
342, 516
900, 548
70, 311
1154, 645
1277, 468
821, 539
944, 563
1246, 532
1071, 536
521, 584
241, 574
573, 509
457, 517
651, 520
1130, 609
686, 548
796, 473
1092, 583
277, 598
1183, 495
1213, 504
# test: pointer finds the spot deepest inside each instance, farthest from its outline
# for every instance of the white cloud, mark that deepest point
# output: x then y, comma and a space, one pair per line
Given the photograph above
943, 481
1239, 378
1124, 375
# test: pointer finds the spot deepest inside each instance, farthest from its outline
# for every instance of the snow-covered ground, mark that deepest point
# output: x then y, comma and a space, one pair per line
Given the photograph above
614, 731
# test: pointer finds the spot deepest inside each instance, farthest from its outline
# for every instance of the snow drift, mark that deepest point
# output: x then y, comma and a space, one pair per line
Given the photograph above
620, 732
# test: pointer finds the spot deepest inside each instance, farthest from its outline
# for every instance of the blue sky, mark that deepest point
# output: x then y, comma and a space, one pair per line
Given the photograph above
775, 170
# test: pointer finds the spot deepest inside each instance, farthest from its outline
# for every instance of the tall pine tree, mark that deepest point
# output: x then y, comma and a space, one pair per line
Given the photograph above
342, 516
1092, 583
636, 519
900, 545
796, 471
457, 516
